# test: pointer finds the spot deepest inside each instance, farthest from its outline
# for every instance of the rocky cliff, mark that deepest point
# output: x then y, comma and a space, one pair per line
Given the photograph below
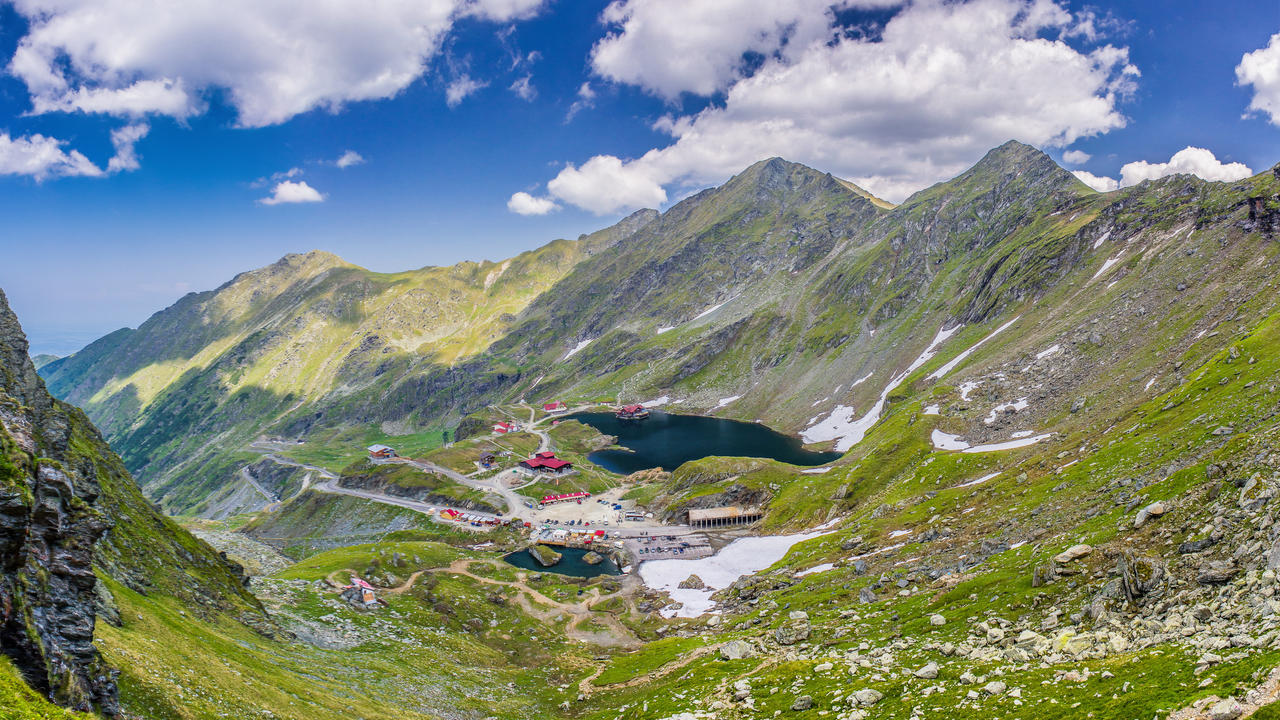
49, 525
69, 510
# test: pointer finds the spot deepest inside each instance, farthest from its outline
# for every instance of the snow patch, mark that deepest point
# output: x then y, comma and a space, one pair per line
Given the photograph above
816, 569
1017, 406
816, 471
726, 401
1106, 266
710, 310
743, 556
577, 349
1098, 243
1150, 382
899, 533
967, 387
859, 381
979, 481
1021, 434
661, 330
657, 402
1009, 444
942, 371
840, 424
947, 441
1046, 353
932, 410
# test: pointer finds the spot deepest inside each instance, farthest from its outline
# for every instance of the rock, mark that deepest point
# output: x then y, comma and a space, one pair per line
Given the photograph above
936, 619
545, 556
866, 595
868, 697
693, 582
804, 702
791, 634
1217, 573
798, 615
995, 687
1072, 553
928, 672
593, 558
1227, 709
1155, 509
1224, 430
736, 650
1078, 405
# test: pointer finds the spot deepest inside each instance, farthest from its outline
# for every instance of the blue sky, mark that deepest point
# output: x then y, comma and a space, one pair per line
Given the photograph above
590, 109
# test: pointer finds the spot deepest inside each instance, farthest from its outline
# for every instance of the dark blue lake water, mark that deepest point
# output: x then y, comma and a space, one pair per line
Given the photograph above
570, 564
667, 441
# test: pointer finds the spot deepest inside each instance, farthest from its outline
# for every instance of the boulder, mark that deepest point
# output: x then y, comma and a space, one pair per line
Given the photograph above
928, 672
868, 697
804, 702
545, 556
1155, 509
936, 619
995, 687
693, 582
1073, 553
791, 634
1217, 573
1227, 709
736, 650
593, 558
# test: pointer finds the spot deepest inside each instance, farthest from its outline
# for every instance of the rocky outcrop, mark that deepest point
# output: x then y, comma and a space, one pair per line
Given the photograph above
545, 556
48, 527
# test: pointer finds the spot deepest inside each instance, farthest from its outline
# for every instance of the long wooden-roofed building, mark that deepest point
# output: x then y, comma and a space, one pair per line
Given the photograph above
723, 516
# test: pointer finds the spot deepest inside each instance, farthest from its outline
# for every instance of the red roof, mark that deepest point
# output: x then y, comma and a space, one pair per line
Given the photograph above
556, 463
534, 463
553, 406
546, 455
632, 408
566, 496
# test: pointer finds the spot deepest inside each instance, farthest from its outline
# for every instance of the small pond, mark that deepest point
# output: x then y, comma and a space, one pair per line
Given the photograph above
570, 564
665, 440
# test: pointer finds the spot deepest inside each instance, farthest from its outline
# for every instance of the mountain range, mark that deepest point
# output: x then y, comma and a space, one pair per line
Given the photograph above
1056, 408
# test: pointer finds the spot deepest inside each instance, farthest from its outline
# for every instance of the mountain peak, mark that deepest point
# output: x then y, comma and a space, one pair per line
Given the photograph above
1011, 165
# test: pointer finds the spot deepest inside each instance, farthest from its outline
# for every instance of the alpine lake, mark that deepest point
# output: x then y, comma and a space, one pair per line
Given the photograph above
667, 441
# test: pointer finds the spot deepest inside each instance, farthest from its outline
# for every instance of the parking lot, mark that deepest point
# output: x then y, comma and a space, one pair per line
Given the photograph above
666, 547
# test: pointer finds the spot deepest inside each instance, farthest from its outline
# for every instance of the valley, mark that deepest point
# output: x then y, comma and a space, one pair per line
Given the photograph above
1025, 465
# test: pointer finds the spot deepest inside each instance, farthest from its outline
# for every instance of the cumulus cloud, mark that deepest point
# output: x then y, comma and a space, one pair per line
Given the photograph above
698, 45
460, 88
920, 101
289, 191
1076, 157
522, 203
349, 158
605, 185
1099, 183
137, 57
42, 157
1261, 70
1189, 160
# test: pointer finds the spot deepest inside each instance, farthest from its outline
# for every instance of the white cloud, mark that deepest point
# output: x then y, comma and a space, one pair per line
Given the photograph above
522, 203
586, 99
940, 85
289, 191
1076, 157
1099, 183
698, 45
605, 185
349, 158
42, 157
124, 140
524, 89
1190, 160
1261, 69
460, 88
139, 57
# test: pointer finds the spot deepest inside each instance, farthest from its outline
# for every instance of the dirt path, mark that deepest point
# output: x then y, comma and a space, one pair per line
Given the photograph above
587, 686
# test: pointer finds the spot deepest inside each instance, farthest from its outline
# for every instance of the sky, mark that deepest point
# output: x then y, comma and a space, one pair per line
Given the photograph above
149, 149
